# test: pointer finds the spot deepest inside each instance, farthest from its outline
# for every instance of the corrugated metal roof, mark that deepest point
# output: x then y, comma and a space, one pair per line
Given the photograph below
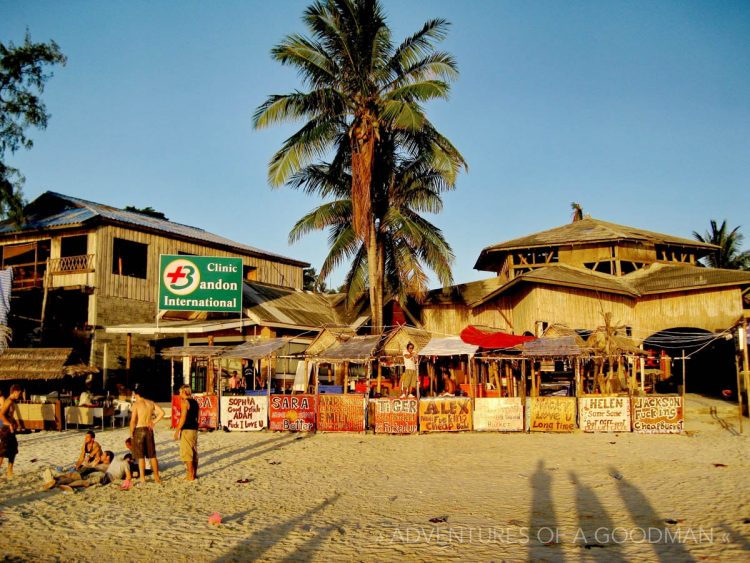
463, 294
587, 231
281, 305
53, 210
658, 278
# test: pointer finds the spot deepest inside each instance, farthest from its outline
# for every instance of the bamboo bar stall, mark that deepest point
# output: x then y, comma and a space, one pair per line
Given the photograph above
45, 373
338, 409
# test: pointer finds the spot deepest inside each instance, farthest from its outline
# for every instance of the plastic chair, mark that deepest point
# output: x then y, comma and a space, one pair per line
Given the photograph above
123, 412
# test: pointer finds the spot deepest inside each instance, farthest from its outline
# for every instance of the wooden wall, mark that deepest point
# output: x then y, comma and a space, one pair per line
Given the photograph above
113, 285
708, 309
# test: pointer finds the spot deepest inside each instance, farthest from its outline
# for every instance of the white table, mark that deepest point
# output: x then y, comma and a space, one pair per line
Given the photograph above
86, 415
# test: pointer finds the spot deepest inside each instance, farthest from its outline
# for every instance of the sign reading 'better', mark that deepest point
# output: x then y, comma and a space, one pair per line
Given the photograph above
200, 283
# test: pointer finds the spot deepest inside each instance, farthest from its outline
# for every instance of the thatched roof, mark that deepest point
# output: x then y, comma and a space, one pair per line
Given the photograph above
356, 349
329, 336
41, 363
257, 349
585, 232
563, 346
597, 341
395, 343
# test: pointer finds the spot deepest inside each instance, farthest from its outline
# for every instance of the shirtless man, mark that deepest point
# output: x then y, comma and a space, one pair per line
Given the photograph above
91, 452
8, 440
142, 424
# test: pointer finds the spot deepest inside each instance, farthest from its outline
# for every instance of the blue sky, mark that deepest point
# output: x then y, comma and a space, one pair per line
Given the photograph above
640, 111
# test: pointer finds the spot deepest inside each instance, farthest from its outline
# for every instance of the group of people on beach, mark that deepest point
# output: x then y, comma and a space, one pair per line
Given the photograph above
95, 465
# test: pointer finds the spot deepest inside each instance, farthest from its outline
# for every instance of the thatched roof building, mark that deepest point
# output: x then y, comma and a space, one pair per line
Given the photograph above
41, 363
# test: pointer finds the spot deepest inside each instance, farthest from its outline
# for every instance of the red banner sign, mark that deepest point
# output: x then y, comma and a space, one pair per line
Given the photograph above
295, 413
208, 411
395, 416
341, 413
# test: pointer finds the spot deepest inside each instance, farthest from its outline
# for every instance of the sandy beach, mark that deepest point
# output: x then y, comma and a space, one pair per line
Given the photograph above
469, 496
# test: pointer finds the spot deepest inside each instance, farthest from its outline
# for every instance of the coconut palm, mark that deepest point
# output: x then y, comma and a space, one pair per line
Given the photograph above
363, 92
729, 243
407, 242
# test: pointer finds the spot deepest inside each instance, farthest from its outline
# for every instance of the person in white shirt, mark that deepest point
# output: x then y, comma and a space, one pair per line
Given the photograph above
409, 377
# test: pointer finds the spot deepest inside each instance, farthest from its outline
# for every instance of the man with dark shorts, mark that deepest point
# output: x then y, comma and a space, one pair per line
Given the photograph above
187, 432
142, 424
8, 440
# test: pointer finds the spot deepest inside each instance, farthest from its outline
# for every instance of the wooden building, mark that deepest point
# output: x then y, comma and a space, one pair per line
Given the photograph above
575, 274
80, 266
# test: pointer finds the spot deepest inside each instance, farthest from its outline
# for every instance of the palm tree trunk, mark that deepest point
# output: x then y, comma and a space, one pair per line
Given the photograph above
375, 275
363, 155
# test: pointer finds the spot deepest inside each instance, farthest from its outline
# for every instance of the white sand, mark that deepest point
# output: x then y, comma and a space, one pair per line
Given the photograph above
368, 497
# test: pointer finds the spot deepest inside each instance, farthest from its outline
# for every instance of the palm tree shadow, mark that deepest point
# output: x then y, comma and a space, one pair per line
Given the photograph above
592, 520
264, 539
645, 517
542, 523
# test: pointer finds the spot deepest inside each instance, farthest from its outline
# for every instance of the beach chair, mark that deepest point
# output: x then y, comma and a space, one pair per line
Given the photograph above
122, 412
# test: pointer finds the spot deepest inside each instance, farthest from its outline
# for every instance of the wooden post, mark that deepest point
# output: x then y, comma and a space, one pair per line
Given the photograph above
369, 375
523, 382
270, 375
683, 379
643, 375
743, 347
577, 376
128, 354
307, 381
739, 391
171, 365
346, 377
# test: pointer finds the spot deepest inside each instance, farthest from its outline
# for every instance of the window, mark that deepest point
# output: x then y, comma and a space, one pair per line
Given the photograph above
250, 273
129, 258
73, 246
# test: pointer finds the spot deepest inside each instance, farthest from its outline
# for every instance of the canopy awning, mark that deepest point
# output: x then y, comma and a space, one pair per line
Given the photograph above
356, 349
448, 346
492, 339
562, 346
255, 350
194, 351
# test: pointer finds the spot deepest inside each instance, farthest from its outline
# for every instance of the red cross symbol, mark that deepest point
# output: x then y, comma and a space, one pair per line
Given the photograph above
176, 275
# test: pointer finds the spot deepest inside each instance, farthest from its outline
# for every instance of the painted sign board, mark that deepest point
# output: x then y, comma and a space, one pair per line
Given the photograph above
293, 413
244, 413
208, 411
552, 414
658, 414
395, 416
445, 414
200, 283
341, 413
499, 414
603, 413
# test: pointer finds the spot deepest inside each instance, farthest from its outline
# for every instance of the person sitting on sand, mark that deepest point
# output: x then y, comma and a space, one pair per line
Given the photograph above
91, 452
118, 468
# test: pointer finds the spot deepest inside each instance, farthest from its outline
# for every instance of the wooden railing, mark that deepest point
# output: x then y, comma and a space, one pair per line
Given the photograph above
72, 264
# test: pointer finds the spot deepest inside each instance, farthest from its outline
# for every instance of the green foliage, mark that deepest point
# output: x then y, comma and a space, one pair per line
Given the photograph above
728, 255
364, 105
22, 80
150, 211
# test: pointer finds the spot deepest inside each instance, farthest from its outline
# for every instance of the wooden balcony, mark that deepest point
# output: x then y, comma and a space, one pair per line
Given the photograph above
71, 265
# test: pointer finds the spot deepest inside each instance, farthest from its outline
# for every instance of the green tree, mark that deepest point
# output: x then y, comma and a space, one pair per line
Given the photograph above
22, 80
408, 242
729, 242
363, 91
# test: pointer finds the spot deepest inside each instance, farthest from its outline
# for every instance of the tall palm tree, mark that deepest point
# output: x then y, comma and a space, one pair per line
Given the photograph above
407, 242
363, 92
729, 242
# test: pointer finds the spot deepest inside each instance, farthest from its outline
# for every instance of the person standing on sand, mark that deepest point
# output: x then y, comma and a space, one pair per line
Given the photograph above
8, 440
187, 432
409, 378
142, 424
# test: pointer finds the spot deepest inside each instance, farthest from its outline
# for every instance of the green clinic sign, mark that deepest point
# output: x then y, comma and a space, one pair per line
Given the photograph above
200, 283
